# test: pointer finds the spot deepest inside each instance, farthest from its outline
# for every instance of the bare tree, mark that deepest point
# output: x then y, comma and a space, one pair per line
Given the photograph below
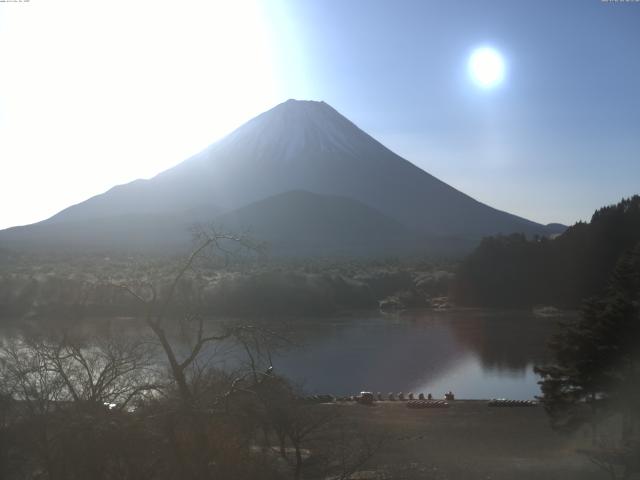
253, 398
195, 457
158, 307
315, 439
44, 372
70, 396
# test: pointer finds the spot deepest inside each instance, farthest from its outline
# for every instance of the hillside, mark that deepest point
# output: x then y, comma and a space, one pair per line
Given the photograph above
514, 271
301, 223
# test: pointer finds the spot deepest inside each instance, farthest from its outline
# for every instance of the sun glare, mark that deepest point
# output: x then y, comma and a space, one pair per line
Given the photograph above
130, 90
486, 67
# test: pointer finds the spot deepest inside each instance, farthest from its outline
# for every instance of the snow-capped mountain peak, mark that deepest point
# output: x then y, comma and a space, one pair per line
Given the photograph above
296, 126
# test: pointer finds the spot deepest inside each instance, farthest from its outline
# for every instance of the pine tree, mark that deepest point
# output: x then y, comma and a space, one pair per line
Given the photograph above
596, 373
597, 358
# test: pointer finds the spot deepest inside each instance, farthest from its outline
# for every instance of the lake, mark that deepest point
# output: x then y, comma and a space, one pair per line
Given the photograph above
474, 353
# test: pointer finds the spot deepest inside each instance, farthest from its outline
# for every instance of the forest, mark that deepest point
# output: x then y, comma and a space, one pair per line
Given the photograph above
516, 271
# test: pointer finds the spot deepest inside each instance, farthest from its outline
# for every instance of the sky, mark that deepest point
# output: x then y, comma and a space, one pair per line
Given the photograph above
95, 94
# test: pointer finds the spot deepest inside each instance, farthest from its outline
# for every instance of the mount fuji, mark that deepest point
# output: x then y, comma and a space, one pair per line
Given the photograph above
300, 175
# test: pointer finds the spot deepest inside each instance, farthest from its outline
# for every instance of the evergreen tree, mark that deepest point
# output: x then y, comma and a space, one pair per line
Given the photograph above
596, 373
514, 271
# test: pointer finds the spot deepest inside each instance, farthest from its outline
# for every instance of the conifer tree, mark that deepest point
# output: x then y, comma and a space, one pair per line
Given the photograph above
596, 372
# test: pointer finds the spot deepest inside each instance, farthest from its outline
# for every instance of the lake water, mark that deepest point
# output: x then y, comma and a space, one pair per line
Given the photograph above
474, 353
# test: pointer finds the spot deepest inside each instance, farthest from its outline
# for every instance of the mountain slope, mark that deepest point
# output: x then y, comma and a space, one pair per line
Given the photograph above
295, 223
134, 232
303, 223
301, 145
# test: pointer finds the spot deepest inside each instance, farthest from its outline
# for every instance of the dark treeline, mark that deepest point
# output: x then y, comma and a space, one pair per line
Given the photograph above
594, 378
518, 272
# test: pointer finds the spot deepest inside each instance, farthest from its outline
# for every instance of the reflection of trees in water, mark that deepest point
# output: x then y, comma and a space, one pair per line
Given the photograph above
507, 342
389, 353
375, 353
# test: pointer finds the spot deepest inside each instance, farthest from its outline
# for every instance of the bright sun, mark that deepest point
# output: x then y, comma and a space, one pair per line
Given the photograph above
486, 67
